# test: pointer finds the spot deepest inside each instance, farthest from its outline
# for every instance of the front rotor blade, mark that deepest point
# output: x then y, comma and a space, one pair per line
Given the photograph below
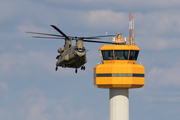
45, 34
60, 31
48, 37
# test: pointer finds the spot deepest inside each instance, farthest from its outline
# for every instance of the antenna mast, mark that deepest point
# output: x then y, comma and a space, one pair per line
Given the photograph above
131, 29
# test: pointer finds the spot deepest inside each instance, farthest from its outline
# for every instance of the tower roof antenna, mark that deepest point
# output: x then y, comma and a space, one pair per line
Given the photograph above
131, 29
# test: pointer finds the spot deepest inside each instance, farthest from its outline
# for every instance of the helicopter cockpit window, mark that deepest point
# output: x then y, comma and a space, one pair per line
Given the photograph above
80, 49
121, 54
107, 54
133, 55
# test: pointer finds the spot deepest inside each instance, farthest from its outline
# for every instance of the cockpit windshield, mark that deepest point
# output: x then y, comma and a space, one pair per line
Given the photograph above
80, 49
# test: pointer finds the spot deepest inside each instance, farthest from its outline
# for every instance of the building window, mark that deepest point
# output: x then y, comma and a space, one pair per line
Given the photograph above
138, 75
122, 75
104, 75
121, 54
107, 54
133, 55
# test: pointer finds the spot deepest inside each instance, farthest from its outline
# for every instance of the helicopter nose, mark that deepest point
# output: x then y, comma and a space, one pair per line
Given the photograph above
80, 54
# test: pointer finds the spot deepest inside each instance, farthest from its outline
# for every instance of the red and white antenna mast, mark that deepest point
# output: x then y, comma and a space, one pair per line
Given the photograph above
131, 29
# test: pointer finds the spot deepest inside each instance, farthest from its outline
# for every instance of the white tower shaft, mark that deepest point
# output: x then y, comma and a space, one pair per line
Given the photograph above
119, 104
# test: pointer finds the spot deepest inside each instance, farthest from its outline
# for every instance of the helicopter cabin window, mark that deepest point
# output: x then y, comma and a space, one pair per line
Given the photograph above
133, 54
107, 54
121, 54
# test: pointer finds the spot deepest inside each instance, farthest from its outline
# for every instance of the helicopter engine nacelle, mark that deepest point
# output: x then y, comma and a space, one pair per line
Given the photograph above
61, 49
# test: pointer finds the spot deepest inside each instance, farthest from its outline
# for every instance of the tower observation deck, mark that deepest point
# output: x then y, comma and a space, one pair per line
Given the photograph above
119, 72
119, 68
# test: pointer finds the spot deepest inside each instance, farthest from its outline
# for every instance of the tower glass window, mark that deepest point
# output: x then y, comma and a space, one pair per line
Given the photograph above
121, 54
107, 54
133, 55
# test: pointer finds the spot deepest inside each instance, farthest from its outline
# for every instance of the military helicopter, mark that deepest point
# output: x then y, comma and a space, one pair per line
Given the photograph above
71, 56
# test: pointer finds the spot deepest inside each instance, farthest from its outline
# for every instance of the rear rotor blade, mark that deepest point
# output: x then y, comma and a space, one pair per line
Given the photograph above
104, 36
96, 37
101, 42
60, 31
87, 38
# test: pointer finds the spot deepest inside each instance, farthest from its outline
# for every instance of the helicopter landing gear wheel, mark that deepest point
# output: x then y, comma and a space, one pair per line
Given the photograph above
82, 67
58, 57
56, 68
76, 70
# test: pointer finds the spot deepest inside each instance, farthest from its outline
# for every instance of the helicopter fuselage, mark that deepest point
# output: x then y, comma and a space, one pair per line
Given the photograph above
72, 57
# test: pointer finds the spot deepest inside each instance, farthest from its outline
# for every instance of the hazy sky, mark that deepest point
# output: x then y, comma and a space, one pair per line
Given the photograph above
31, 89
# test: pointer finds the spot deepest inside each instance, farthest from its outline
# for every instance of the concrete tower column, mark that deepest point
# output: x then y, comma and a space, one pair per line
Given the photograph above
119, 104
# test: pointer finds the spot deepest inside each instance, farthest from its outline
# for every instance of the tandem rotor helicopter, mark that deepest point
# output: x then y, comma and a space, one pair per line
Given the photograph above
72, 56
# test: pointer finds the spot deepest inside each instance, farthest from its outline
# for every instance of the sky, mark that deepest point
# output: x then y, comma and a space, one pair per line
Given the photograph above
31, 89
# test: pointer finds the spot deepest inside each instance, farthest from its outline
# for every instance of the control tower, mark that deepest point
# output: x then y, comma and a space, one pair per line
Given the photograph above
119, 72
